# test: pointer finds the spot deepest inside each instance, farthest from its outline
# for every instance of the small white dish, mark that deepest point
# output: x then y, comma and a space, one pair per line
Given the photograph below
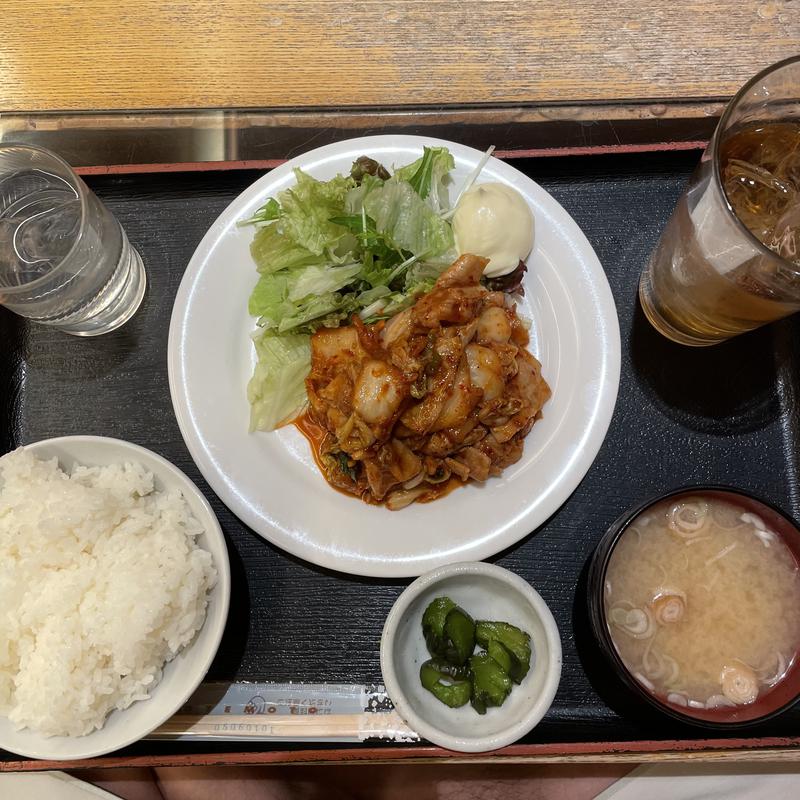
270, 480
186, 671
487, 592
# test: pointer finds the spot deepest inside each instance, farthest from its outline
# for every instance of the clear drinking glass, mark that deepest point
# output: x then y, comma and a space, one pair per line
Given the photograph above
64, 259
728, 260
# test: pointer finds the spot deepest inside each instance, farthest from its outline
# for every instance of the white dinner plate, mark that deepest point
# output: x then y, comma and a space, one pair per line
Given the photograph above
270, 480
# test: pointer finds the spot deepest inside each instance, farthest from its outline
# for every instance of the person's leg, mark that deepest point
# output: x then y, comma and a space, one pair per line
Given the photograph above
441, 781
248, 783
447, 781
129, 784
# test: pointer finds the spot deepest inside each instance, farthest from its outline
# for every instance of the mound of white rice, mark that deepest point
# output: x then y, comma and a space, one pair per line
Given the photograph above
101, 583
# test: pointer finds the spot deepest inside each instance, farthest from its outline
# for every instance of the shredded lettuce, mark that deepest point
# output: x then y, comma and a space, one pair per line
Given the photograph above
368, 243
269, 211
277, 390
306, 210
316, 280
273, 250
429, 176
404, 217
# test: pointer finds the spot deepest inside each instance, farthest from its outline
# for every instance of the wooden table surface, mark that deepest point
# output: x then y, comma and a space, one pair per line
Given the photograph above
160, 54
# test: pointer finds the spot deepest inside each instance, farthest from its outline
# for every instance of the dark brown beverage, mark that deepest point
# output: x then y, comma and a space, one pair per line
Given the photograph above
760, 171
708, 279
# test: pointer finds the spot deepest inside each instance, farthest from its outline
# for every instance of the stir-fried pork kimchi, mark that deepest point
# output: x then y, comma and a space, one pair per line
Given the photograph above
442, 393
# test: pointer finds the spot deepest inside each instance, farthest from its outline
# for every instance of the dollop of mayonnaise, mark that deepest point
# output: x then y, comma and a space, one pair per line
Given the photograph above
494, 221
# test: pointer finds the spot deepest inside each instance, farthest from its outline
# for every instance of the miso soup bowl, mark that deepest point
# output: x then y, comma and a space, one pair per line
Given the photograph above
779, 699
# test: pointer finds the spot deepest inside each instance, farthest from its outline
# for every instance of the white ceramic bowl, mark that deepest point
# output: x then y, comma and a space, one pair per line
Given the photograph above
488, 592
182, 675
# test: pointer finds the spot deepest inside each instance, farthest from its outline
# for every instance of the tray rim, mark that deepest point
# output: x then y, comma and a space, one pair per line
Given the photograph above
767, 748
772, 749
167, 140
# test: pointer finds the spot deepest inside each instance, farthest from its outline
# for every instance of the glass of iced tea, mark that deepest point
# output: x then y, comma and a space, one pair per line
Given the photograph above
729, 259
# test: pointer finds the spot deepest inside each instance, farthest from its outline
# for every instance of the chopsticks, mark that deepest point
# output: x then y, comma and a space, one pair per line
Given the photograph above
366, 725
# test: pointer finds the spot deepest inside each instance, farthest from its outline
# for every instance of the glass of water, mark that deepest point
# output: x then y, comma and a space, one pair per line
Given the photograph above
64, 259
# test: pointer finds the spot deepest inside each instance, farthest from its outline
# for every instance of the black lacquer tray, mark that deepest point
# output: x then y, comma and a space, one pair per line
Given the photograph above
726, 414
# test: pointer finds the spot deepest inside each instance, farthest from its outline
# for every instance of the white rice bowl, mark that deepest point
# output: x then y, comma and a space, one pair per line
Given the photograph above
104, 579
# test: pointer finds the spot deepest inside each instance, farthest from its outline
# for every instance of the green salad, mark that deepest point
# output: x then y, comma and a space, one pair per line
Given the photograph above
367, 243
